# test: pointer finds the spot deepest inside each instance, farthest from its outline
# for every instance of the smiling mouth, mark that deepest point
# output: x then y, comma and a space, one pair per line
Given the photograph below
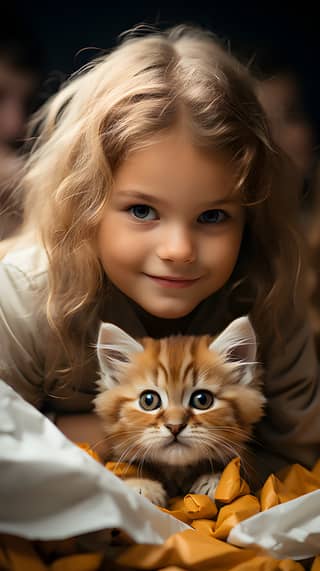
174, 282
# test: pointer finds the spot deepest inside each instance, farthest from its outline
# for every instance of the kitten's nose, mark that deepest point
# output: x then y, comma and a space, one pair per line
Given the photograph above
176, 428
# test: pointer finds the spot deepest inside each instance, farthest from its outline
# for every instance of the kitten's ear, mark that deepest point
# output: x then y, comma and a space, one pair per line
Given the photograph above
238, 345
114, 350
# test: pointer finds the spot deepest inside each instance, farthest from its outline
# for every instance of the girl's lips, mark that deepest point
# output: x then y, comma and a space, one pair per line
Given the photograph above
167, 281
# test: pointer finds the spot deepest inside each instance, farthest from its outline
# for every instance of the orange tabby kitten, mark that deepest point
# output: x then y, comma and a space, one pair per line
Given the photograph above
179, 408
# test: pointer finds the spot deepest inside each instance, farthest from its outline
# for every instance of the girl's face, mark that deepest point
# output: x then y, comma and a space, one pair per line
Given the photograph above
172, 230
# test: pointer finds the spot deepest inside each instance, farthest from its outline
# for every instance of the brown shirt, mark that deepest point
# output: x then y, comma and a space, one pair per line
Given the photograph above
290, 430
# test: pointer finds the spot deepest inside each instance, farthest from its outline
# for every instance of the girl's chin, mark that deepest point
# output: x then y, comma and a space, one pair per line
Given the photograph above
168, 313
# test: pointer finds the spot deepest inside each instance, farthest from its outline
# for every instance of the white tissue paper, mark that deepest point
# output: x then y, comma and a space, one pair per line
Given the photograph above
287, 531
51, 489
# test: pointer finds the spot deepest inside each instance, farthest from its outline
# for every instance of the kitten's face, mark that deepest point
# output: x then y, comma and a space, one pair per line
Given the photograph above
177, 400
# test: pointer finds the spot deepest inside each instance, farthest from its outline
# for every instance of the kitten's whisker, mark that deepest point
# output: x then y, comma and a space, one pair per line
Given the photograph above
110, 436
231, 429
222, 436
146, 453
124, 456
120, 460
224, 443
206, 449
140, 465
222, 448
104, 440
216, 454
142, 460
247, 469
230, 452
123, 460
97, 443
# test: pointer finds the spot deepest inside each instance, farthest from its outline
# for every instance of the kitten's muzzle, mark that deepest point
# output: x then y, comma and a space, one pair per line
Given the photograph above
175, 429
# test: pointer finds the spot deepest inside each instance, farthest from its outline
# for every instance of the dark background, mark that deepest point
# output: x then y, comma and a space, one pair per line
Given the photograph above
63, 29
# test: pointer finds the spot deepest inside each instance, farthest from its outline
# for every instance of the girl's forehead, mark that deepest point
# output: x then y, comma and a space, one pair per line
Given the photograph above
179, 137
174, 156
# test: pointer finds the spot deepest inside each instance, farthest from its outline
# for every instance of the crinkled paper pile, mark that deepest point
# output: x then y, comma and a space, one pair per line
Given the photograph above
52, 492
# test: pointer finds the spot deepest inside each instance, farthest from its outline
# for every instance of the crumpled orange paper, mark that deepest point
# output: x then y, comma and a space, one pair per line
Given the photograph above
203, 548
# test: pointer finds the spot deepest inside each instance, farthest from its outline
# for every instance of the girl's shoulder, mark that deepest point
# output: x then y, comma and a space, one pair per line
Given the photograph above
29, 261
23, 330
23, 281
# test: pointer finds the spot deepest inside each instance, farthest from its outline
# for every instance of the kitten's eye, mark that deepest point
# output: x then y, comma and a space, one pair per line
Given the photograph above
201, 399
143, 212
149, 400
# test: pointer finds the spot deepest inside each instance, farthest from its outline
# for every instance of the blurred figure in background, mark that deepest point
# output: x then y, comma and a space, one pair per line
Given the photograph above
280, 91
20, 76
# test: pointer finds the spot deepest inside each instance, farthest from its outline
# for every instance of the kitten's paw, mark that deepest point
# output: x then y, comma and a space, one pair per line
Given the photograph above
150, 489
206, 484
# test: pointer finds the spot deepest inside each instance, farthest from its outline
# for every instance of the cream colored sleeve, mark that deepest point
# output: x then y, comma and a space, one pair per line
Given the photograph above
291, 427
21, 357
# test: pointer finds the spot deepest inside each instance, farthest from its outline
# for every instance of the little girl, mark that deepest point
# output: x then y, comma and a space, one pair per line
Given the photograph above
158, 201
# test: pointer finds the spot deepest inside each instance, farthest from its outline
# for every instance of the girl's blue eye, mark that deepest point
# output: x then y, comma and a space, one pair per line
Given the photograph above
142, 212
149, 400
201, 399
213, 216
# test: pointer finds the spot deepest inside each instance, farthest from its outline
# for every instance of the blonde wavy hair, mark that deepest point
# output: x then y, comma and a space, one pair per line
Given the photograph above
118, 104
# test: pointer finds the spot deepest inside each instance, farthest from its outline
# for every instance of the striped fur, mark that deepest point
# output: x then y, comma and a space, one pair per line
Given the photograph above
177, 442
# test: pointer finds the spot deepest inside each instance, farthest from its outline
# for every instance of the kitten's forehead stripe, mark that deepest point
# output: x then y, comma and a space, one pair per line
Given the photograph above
176, 359
179, 361
164, 371
148, 359
188, 369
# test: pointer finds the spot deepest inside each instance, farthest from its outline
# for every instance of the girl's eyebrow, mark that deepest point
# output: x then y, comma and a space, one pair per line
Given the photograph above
137, 195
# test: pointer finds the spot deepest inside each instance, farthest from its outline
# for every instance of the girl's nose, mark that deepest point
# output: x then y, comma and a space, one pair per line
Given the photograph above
176, 245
